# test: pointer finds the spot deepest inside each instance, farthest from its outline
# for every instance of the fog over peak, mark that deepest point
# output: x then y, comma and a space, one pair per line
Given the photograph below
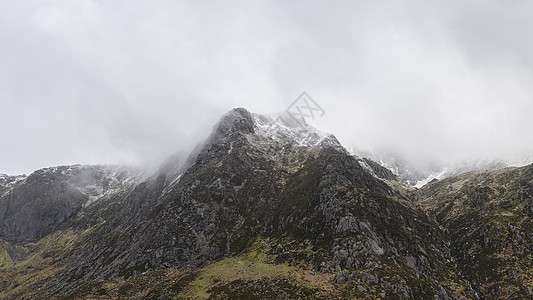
112, 82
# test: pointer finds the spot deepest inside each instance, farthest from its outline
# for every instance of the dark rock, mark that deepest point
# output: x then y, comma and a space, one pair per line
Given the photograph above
342, 277
368, 278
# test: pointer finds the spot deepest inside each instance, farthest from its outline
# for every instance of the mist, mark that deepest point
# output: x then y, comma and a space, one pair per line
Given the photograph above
134, 82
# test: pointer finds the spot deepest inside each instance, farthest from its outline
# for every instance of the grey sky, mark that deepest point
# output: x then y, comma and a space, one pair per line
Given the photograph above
90, 81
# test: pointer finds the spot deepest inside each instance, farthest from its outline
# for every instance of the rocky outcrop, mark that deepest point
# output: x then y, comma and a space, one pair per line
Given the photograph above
379, 171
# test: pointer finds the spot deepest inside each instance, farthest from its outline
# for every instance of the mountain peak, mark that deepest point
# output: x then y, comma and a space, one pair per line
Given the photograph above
285, 128
281, 127
236, 120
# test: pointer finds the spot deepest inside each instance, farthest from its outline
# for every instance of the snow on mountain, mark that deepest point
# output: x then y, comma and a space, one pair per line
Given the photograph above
7, 182
431, 177
285, 128
418, 173
409, 171
458, 168
94, 181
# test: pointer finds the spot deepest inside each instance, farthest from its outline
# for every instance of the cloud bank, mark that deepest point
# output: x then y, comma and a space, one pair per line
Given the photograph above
94, 81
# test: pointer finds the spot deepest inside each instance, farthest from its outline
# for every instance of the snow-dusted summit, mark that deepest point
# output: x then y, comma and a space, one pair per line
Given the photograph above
285, 128
282, 127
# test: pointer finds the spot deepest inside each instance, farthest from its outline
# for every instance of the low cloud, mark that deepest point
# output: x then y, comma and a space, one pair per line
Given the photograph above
98, 81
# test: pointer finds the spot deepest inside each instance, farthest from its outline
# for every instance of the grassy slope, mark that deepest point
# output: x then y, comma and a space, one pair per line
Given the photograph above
488, 217
25, 266
252, 272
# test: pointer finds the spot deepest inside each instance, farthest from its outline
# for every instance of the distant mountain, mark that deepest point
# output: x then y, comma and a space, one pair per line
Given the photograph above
33, 206
418, 174
268, 207
406, 170
463, 167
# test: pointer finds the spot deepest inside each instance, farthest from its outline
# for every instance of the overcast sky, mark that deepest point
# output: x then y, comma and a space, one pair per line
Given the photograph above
92, 81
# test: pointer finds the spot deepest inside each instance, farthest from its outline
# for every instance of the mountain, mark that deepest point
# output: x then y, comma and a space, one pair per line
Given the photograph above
268, 207
418, 173
455, 169
33, 206
406, 170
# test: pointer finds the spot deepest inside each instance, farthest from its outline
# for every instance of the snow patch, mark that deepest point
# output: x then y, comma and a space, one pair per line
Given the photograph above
7, 182
172, 184
437, 176
284, 128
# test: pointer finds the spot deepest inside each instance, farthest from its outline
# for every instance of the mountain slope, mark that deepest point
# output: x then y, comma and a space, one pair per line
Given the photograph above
488, 217
32, 207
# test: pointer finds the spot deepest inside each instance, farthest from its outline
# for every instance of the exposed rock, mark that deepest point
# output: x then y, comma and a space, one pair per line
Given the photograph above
361, 289
368, 278
342, 277
442, 295
36, 205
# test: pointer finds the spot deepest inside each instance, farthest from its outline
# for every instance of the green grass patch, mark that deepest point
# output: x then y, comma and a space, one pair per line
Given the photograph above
253, 264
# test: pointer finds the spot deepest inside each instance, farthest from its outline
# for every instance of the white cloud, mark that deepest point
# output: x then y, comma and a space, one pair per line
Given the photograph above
109, 81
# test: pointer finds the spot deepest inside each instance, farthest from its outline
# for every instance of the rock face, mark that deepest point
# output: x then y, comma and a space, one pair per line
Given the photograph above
377, 169
266, 205
32, 207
